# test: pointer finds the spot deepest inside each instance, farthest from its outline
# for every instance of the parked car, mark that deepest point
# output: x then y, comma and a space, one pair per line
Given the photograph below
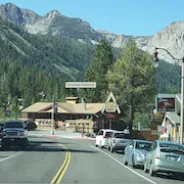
29, 125
1, 129
14, 135
136, 152
118, 140
102, 137
165, 157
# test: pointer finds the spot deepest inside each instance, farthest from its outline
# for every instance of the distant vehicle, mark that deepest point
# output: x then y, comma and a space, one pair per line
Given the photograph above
165, 157
1, 129
29, 125
118, 141
102, 137
136, 152
14, 135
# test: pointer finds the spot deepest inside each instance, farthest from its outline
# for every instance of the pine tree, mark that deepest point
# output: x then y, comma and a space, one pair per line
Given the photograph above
103, 58
131, 79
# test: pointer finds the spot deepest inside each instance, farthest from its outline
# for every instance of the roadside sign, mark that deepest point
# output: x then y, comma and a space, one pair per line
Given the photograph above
80, 84
111, 107
111, 116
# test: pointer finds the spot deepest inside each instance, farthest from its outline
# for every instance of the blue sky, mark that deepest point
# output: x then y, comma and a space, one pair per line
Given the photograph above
129, 17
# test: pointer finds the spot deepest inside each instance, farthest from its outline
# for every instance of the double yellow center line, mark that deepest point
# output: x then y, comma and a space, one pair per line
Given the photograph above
61, 172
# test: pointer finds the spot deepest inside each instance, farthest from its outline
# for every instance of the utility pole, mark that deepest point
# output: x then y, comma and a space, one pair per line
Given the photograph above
182, 103
53, 111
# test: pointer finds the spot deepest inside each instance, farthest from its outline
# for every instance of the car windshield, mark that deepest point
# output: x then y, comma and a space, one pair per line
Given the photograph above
169, 145
14, 124
143, 145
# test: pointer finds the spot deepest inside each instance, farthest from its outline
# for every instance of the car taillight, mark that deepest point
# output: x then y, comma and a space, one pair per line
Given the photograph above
157, 156
105, 137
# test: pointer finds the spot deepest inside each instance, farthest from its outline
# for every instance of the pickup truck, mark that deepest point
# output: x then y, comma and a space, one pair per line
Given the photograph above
14, 135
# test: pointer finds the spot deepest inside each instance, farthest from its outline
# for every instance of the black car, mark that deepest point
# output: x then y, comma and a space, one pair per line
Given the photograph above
14, 135
29, 125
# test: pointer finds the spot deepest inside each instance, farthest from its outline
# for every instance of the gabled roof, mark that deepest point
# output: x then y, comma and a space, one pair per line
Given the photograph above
36, 107
79, 108
173, 117
111, 96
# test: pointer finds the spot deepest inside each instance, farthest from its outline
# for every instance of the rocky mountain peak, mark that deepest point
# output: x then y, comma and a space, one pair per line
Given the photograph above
52, 14
12, 13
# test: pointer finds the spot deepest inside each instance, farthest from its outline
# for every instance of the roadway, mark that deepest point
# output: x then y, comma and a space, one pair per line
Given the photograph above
56, 160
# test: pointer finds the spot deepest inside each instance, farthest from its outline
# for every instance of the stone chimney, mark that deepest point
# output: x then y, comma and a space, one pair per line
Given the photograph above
72, 100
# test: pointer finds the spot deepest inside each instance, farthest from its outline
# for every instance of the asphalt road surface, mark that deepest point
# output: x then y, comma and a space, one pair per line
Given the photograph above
67, 161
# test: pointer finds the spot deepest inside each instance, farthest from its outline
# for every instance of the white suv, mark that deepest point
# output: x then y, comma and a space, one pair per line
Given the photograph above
102, 137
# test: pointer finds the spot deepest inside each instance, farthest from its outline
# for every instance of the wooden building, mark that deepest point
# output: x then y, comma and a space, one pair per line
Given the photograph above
70, 115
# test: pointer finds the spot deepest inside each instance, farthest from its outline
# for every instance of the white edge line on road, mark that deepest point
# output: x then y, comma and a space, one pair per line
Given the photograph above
124, 165
10, 157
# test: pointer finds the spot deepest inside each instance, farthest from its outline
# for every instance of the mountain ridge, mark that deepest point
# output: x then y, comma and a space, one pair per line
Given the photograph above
56, 24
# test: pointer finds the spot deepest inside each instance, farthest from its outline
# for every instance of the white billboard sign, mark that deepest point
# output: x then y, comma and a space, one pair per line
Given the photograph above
80, 84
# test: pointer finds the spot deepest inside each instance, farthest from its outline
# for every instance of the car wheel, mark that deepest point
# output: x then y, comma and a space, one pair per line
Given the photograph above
108, 148
4, 147
133, 162
145, 168
112, 149
101, 145
151, 172
125, 162
25, 144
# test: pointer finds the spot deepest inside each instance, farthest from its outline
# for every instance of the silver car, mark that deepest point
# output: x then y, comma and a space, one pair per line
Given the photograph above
165, 157
136, 151
118, 141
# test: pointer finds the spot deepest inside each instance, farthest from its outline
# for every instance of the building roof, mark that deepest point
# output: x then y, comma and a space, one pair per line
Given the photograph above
79, 108
173, 117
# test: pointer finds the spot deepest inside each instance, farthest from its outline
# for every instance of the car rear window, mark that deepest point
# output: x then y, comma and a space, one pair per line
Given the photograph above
171, 150
169, 145
14, 124
108, 134
122, 136
143, 145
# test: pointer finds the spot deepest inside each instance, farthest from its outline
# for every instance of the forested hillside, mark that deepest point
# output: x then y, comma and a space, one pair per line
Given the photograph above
48, 53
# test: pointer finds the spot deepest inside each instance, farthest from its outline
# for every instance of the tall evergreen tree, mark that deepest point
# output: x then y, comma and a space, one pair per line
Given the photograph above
132, 80
103, 58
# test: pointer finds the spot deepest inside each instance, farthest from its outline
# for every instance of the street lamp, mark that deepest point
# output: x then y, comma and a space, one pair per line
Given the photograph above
182, 87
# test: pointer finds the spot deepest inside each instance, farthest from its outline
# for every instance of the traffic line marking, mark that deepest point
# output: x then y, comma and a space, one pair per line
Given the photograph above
61, 172
10, 157
124, 165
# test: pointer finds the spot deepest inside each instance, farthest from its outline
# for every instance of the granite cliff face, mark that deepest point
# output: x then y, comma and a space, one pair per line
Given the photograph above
170, 38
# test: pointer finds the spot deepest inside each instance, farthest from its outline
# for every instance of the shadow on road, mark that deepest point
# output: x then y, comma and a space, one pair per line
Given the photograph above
48, 146
171, 177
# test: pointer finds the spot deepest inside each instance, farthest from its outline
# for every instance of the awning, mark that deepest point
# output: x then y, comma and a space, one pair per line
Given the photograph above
173, 117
